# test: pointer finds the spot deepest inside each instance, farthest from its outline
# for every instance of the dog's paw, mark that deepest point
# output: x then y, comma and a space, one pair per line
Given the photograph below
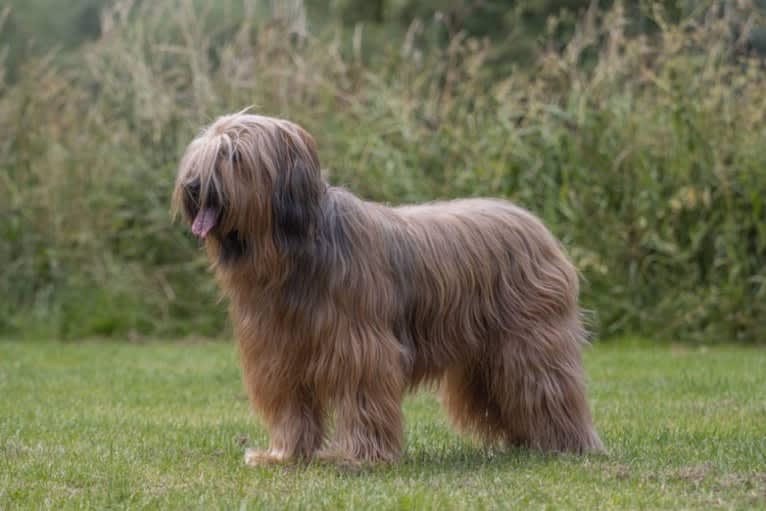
255, 458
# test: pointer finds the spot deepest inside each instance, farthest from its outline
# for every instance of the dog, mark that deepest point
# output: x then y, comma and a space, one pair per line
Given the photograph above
340, 306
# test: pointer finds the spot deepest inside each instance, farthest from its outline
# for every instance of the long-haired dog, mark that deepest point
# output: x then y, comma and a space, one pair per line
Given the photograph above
342, 305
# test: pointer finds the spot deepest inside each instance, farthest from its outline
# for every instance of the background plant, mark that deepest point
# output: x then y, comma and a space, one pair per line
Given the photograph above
637, 134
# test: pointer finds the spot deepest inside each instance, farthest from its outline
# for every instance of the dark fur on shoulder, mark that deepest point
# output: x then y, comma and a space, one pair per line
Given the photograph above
341, 305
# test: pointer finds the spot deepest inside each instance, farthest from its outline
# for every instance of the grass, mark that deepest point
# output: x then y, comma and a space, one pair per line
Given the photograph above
164, 425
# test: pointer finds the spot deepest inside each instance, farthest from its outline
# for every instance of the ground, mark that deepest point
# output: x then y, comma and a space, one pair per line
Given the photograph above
104, 425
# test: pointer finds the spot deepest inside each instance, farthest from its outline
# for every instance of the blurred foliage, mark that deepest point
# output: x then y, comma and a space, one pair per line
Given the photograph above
635, 132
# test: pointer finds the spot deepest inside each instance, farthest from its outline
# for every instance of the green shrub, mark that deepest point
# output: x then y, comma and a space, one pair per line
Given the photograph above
644, 154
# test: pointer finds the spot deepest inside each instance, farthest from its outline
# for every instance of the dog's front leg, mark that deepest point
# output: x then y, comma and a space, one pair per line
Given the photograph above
295, 425
368, 406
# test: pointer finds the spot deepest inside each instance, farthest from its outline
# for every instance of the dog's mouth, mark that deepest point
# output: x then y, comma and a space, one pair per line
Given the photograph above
204, 222
206, 217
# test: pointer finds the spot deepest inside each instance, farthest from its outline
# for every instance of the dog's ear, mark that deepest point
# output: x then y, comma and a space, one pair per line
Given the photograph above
295, 202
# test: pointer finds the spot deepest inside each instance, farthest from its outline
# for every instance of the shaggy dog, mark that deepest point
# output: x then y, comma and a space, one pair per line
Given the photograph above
342, 305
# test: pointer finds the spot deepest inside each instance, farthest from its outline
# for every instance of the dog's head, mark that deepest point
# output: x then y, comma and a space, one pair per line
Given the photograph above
248, 180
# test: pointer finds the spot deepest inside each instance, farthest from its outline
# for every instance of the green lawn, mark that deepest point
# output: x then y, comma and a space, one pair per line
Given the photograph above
164, 425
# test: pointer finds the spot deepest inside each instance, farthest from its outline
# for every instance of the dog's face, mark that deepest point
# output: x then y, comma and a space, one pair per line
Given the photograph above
249, 182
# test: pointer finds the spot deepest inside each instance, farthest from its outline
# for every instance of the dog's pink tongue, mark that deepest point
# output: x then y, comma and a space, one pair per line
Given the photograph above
204, 221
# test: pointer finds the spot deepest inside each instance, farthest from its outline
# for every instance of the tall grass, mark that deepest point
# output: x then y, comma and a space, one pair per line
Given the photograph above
644, 154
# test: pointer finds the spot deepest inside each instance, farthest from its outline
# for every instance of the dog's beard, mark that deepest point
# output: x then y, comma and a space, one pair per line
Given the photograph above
232, 248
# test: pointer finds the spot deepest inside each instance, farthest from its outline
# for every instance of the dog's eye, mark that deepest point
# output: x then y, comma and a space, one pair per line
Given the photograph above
193, 188
223, 155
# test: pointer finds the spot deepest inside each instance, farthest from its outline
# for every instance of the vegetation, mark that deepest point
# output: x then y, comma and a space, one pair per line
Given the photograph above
164, 426
637, 135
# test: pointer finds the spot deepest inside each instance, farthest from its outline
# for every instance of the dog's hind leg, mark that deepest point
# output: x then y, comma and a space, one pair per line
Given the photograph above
538, 384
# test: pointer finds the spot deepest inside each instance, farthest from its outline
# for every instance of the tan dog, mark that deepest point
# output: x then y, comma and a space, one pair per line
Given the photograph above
342, 305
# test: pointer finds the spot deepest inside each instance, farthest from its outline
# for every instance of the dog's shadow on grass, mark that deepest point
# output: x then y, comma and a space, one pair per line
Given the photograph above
456, 461
470, 459
447, 455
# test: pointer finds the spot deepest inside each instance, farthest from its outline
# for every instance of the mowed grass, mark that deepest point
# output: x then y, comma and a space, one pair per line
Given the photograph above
164, 426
